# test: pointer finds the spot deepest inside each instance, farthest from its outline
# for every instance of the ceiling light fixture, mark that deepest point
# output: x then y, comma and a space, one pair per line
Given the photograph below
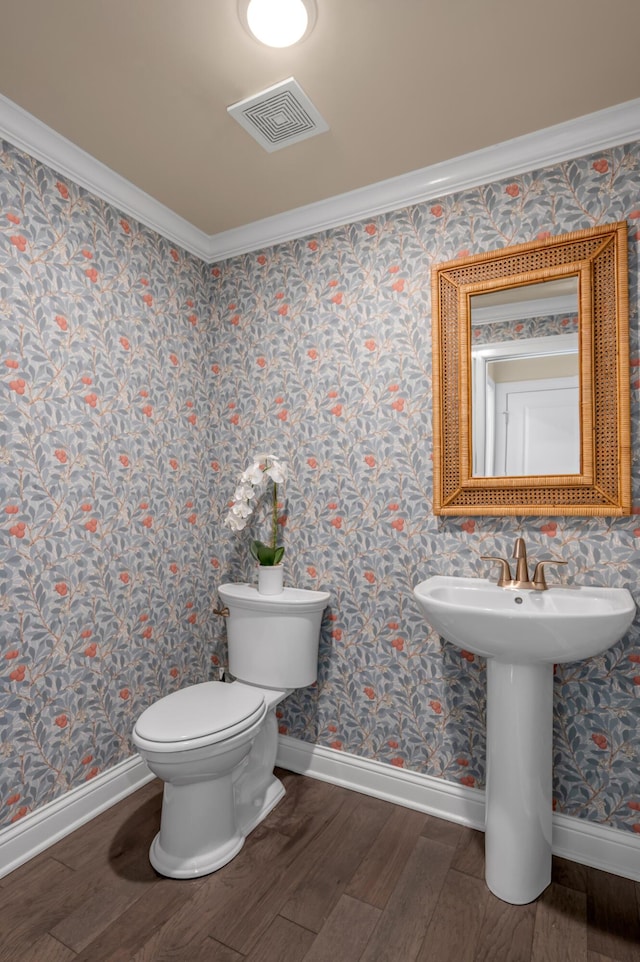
278, 23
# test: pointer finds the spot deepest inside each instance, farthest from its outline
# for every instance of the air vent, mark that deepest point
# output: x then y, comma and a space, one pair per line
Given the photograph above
279, 116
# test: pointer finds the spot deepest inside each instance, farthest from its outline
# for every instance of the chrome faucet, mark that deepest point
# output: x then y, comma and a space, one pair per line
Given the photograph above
522, 580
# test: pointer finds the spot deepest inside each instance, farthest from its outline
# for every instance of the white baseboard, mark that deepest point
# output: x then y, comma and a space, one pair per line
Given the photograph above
34, 833
435, 796
576, 839
599, 846
588, 843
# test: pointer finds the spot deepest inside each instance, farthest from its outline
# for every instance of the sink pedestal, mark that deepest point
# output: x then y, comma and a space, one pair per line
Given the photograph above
518, 821
522, 634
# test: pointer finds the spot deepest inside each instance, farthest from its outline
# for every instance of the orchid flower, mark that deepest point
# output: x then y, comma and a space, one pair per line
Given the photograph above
245, 500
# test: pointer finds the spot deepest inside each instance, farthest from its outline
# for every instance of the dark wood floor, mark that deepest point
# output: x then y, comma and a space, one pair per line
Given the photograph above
330, 876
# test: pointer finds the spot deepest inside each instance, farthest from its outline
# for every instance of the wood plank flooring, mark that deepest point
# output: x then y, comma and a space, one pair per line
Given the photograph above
329, 876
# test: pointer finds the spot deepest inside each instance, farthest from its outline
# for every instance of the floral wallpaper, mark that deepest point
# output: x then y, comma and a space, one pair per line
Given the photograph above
499, 331
105, 485
138, 383
323, 354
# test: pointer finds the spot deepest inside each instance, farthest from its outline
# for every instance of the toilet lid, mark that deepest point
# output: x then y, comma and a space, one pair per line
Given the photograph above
299, 601
201, 712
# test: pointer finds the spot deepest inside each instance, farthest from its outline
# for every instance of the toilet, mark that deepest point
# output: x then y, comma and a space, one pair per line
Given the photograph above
214, 744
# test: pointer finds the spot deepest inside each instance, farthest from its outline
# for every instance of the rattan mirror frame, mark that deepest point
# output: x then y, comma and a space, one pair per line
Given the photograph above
598, 257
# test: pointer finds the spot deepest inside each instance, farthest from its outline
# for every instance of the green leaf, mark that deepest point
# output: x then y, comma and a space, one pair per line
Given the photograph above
254, 549
265, 554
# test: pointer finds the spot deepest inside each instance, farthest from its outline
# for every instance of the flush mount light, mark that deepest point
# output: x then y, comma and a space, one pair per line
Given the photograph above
278, 23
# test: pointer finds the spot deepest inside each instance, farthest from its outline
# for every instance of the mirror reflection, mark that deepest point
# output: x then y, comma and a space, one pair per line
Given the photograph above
525, 394
501, 329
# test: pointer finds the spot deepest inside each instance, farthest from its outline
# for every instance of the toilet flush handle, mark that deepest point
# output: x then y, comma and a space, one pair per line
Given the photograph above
223, 612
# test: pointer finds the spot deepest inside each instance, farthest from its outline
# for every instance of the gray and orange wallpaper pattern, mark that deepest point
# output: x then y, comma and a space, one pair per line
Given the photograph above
137, 384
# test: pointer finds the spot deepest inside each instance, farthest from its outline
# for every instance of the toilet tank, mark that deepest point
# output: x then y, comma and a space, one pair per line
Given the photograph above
273, 639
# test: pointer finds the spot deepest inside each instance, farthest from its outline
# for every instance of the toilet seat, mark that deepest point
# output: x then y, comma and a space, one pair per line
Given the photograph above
203, 714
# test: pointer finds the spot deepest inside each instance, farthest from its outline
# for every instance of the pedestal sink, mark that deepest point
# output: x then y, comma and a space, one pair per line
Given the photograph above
522, 633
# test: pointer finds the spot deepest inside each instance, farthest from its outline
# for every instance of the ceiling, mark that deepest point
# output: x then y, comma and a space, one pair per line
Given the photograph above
143, 86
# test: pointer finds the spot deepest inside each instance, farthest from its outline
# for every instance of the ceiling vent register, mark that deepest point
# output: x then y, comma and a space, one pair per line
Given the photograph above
279, 116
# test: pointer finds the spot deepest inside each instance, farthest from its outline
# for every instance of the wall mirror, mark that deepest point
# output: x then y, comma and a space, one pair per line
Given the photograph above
531, 378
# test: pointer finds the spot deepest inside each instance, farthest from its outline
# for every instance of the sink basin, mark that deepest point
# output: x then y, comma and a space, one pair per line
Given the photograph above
522, 634
525, 627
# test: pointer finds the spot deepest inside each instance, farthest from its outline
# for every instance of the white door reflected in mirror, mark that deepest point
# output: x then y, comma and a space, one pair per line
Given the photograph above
525, 381
537, 428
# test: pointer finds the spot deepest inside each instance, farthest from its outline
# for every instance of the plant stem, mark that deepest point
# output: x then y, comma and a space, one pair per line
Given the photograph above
274, 517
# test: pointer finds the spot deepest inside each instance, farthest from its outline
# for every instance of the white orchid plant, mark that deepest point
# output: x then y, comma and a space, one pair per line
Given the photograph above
264, 468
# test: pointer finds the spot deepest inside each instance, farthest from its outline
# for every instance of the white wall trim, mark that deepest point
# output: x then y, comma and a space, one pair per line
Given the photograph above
42, 142
599, 846
584, 135
435, 796
575, 138
576, 839
35, 832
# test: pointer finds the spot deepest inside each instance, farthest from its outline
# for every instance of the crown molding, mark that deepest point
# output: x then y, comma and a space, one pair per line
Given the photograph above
575, 138
584, 135
29, 134
523, 310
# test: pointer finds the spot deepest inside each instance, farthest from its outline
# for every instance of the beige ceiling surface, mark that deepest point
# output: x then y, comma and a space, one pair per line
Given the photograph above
143, 86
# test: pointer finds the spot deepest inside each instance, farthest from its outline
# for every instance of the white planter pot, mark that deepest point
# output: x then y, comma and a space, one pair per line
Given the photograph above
270, 579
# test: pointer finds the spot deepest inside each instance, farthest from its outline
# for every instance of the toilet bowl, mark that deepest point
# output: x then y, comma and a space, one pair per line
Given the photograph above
214, 744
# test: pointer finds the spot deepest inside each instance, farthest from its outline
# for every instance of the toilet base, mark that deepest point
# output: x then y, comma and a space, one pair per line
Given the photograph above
197, 865
250, 814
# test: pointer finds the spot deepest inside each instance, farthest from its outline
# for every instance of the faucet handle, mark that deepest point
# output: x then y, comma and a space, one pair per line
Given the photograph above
539, 580
505, 574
